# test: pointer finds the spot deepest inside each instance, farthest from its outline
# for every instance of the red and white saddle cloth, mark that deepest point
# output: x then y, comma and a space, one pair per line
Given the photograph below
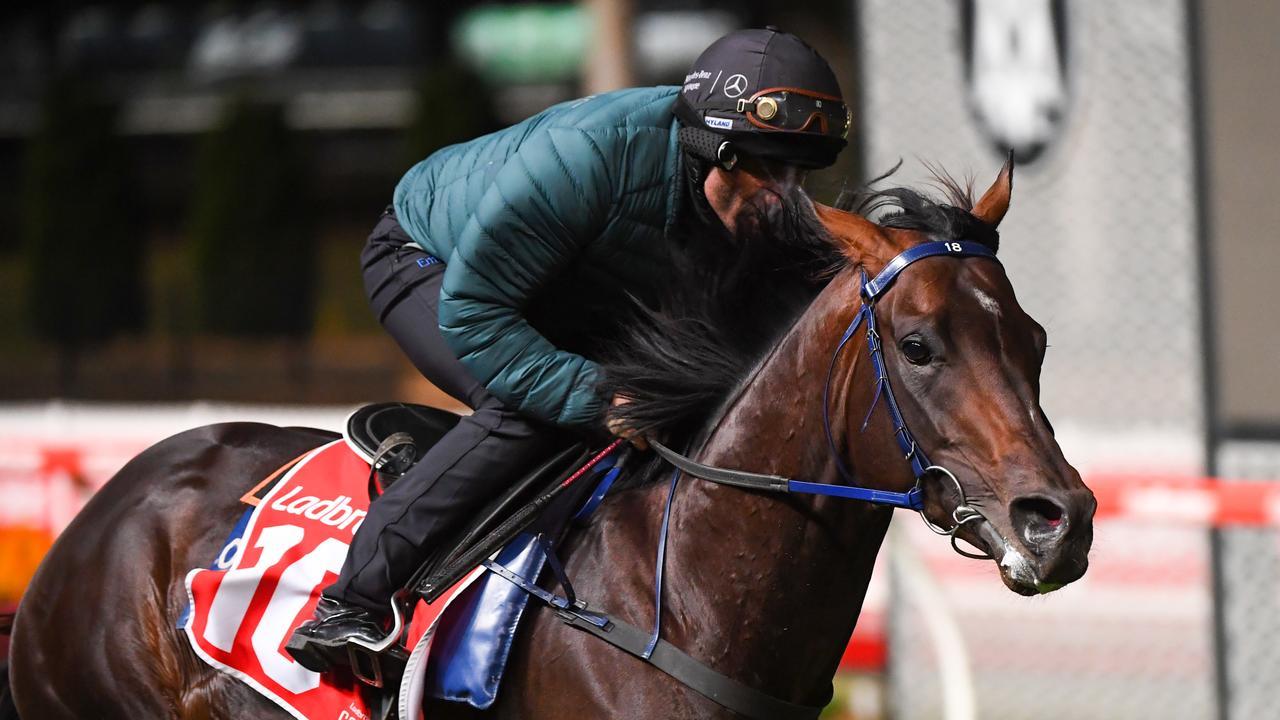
267, 580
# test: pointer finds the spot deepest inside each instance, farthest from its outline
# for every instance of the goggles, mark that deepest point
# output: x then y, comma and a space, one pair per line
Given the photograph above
792, 110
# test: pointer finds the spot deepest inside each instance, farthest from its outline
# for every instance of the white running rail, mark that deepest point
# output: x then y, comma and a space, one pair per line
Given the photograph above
921, 591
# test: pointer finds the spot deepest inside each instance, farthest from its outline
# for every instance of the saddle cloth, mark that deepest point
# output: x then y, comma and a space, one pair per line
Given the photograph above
280, 555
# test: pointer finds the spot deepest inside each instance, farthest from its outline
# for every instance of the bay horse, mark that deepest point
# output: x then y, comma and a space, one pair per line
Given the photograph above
763, 588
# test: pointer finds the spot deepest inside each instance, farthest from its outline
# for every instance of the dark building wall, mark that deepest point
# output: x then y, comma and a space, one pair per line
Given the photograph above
1242, 103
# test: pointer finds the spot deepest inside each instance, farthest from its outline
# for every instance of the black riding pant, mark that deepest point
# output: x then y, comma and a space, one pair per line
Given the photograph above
471, 465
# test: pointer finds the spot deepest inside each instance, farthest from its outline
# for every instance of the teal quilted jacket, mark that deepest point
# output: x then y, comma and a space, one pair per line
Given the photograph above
545, 227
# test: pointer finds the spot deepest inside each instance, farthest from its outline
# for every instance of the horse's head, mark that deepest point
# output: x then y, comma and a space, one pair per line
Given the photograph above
963, 359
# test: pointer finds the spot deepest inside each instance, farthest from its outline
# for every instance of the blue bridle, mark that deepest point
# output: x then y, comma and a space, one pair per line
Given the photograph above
871, 292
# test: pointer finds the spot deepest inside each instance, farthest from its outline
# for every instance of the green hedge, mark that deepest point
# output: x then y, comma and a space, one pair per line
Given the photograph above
451, 105
82, 237
250, 227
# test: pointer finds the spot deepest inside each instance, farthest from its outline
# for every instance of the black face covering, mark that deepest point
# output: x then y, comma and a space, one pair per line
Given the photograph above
697, 222
784, 244
708, 146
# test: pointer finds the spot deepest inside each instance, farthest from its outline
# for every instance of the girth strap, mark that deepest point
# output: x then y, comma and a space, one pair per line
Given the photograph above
724, 690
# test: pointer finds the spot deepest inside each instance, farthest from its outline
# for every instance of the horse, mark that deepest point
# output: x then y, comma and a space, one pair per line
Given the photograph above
762, 588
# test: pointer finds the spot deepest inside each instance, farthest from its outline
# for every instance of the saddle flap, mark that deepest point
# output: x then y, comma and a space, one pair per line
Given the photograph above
473, 642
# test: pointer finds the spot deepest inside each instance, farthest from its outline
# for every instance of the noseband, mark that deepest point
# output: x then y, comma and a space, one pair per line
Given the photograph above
871, 292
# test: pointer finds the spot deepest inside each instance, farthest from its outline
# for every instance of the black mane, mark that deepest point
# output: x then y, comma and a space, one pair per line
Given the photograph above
909, 209
727, 302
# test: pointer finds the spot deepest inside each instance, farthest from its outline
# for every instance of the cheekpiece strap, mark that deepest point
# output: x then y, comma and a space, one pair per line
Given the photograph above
872, 290
911, 451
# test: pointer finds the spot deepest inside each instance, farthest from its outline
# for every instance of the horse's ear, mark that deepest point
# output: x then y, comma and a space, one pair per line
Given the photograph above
995, 203
857, 235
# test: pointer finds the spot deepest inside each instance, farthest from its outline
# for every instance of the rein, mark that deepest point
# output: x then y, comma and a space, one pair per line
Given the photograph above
872, 291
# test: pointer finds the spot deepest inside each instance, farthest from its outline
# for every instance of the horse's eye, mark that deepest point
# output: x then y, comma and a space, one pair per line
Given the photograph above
916, 352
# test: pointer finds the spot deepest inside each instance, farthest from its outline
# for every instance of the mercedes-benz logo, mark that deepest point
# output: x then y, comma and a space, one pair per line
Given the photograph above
735, 85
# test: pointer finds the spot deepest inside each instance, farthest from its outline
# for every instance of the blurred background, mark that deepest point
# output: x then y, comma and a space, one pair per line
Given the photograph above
185, 187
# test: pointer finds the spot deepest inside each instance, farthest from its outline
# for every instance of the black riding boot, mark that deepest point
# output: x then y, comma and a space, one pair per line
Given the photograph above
322, 641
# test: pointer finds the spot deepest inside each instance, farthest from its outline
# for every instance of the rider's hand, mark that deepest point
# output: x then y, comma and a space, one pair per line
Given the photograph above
619, 428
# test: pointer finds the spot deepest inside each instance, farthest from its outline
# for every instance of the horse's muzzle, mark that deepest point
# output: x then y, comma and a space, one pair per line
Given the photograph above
1048, 546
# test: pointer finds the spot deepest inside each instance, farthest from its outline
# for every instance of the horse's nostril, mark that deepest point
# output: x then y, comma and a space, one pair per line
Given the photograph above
1038, 519
1041, 508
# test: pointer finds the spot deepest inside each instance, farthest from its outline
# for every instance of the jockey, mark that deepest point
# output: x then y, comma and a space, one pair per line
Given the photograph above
504, 260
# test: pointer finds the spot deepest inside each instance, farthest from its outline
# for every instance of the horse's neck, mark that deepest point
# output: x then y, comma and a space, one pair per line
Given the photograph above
766, 587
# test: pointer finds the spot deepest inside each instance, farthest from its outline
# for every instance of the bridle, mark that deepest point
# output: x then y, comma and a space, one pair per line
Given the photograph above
872, 291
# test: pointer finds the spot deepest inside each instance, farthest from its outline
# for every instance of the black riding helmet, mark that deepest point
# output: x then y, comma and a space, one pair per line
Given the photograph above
770, 95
